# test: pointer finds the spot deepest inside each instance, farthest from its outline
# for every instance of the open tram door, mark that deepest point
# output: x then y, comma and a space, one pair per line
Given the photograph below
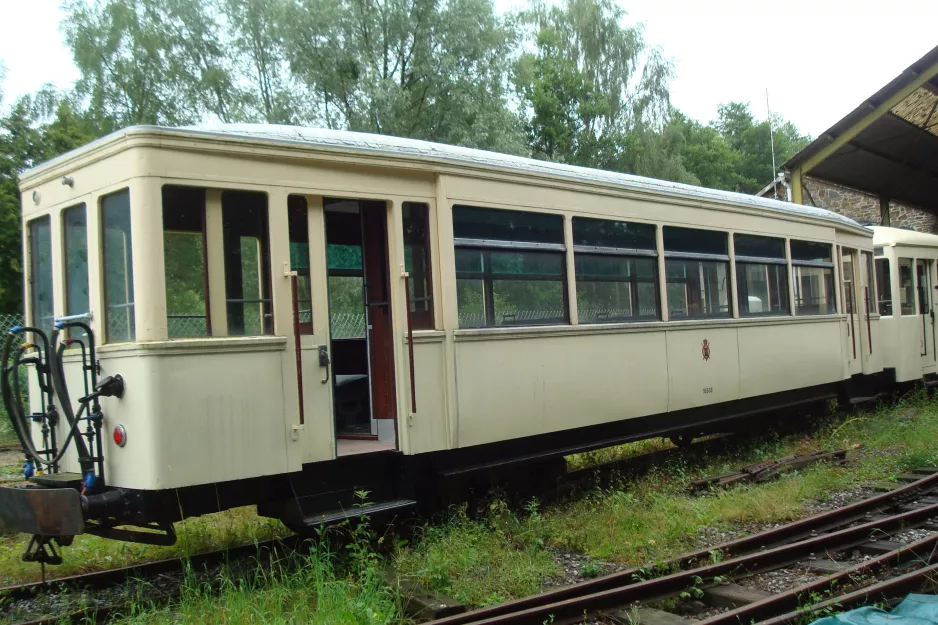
849, 297
924, 269
360, 326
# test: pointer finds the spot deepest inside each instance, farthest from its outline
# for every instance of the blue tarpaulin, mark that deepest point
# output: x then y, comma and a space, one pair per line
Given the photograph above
914, 610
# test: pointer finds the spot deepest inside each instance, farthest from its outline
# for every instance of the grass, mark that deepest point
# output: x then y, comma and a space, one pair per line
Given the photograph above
90, 553
319, 588
506, 554
502, 553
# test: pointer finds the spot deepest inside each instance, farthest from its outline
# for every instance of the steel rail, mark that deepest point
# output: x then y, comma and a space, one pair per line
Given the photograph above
886, 591
620, 588
113, 577
924, 550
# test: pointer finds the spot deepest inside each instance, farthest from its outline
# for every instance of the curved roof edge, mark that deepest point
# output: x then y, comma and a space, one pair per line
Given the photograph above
349, 141
884, 235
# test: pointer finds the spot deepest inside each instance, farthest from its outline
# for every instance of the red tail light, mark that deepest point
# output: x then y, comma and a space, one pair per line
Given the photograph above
120, 436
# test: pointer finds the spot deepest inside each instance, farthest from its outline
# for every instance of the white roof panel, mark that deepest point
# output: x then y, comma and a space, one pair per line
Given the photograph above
435, 152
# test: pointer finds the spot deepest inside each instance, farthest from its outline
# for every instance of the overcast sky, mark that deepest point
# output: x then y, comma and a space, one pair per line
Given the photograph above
819, 58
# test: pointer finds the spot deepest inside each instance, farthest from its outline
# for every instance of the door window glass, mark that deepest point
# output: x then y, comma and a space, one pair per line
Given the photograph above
297, 215
906, 287
921, 278
883, 287
416, 222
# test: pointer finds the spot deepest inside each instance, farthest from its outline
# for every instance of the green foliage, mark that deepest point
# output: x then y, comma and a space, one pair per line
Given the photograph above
568, 83
34, 129
592, 92
480, 562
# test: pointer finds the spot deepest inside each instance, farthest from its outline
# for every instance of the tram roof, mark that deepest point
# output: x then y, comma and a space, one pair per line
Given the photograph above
363, 143
883, 236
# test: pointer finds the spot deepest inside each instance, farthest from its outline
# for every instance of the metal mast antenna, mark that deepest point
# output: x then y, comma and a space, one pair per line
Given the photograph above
772, 144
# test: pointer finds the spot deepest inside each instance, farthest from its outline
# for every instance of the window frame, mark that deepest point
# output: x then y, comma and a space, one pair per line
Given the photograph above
265, 282
817, 264
699, 257
887, 284
67, 274
205, 254
305, 327
748, 260
132, 304
913, 301
425, 319
34, 319
628, 254
488, 246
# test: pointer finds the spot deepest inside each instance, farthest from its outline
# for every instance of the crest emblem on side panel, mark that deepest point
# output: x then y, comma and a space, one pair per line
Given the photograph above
705, 349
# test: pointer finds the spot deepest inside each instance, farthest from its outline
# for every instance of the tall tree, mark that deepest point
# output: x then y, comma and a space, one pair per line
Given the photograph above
593, 93
427, 69
35, 129
706, 154
150, 61
752, 140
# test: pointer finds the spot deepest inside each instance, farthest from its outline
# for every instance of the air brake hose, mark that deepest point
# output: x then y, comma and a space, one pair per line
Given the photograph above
57, 368
18, 419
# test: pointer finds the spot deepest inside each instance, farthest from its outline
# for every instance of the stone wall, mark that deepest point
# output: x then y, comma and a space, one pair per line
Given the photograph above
864, 208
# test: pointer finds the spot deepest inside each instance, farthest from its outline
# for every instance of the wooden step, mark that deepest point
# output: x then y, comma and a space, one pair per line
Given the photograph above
923, 471
732, 596
381, 507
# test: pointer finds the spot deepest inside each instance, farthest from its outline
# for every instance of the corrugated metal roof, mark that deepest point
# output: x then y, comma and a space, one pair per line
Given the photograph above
896, 156
883, 235
364, 143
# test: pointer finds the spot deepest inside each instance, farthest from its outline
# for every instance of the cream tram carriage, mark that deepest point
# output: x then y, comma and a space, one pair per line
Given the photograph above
296, 313
905, 277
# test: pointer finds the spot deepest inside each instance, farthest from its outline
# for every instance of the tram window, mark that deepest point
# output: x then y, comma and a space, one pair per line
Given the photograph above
906, 287
119, 323
510, 267
883, 287
761, 275
696, 273
40, 273
416, 221
813, 272
616, 270
346, 291
247, 263
298, 223
185, 262
75, 221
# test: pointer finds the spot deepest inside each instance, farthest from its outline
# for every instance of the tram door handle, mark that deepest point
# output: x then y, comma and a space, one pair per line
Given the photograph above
324, 361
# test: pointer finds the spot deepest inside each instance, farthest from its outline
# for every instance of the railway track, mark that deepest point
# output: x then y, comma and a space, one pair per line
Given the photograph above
110, 592
820, 544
